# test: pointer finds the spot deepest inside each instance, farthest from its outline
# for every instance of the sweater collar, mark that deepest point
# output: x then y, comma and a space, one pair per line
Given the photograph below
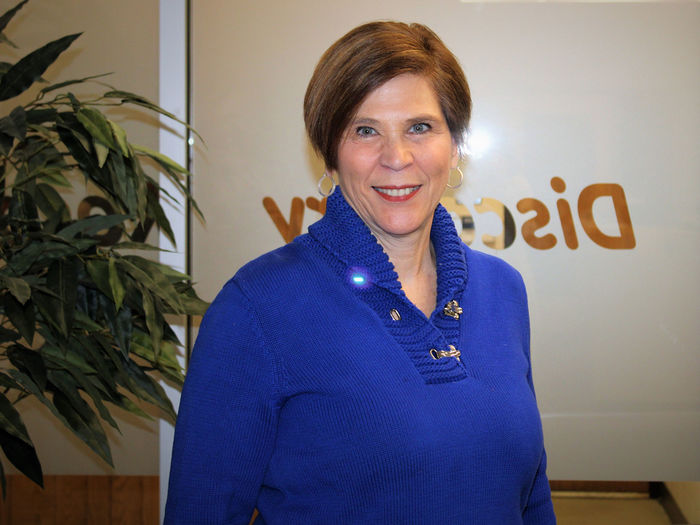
347, 237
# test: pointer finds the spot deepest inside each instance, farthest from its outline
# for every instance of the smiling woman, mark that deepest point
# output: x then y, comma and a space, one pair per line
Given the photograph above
394, 158
393, 382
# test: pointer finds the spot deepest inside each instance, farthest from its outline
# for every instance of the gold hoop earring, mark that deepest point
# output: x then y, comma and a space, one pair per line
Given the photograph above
320, 185
461, 179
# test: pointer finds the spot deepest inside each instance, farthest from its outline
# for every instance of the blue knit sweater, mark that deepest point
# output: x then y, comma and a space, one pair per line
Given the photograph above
313, 396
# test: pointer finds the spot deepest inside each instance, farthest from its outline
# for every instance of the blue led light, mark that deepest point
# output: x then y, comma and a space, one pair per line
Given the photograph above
358, 277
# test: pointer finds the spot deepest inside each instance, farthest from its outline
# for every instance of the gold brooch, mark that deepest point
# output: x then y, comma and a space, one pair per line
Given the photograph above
439, 354
452, 309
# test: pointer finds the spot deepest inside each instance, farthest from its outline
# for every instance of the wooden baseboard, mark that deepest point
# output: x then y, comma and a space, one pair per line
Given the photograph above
600, 486
77, 500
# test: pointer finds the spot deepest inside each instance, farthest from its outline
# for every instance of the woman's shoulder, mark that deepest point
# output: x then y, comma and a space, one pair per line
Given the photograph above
486, 270
265, 283
282, 272
290, 258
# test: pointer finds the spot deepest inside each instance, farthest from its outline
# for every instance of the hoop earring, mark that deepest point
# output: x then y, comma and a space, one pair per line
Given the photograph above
461, 179
320, 185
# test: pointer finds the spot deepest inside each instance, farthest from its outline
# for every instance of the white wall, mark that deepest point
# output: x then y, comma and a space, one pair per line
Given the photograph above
172, 142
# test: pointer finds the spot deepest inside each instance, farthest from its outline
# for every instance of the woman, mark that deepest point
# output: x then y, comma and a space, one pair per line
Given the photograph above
375, 369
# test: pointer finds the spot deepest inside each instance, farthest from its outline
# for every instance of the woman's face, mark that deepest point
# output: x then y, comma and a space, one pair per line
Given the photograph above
395, 157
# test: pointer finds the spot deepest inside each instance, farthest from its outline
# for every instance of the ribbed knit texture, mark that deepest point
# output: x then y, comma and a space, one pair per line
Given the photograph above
307, 399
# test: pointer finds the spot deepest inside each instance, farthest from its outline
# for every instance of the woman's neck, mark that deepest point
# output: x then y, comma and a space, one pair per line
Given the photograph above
414, 262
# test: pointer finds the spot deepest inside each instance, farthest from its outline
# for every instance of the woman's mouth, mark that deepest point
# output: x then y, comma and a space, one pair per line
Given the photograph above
396, 193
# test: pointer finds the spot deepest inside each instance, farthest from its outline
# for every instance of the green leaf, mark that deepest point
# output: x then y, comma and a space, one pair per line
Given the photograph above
153, 320
167, 362
150, 274
23, 456
142, 346
28, 385
11, 421
97, 125
5, 40
50, 201
8, 15
127, 404
23, 210
116, 357
56, 178
132, 98
84, 424
69, 360
161, 159
38, 253
83, 321
29, 68
39, 116
175, 179
21, 316
171, 273
115, 284
129, 245
155, 210
6, 142
73, 139
15, 124
30, 362
91, 225
70, 382
148, 389
121, 181
99, 271
120, 323
40, 156
9, 383
102, 151
7, 336
101, 307
18, 287
66, 83
52, 205
59, 308
133, 185
62, 278
104, 368
120, 137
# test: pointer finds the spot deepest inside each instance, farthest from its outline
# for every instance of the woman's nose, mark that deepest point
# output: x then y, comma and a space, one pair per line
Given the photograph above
396, 153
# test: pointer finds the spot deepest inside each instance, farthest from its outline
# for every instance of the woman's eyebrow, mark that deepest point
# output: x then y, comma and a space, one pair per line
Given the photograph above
368, 121
364, 121
425, 117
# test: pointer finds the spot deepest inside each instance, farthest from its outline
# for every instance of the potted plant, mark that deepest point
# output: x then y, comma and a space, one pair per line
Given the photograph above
82, 312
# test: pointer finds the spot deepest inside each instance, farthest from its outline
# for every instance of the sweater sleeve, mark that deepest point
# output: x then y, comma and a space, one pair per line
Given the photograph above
227, 419
539, 509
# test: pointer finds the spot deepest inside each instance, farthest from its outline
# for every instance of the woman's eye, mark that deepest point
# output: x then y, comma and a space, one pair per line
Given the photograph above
421, 127
365, 131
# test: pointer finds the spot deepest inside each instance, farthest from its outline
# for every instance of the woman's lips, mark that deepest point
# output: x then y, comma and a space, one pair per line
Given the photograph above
396, 193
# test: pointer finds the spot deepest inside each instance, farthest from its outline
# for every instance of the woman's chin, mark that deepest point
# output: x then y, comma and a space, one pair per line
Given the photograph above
400, 226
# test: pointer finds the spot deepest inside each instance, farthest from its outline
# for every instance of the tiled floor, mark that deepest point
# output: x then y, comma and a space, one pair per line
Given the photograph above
606, 511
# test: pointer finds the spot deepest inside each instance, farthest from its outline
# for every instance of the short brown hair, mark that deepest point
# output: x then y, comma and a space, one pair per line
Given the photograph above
364, 59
